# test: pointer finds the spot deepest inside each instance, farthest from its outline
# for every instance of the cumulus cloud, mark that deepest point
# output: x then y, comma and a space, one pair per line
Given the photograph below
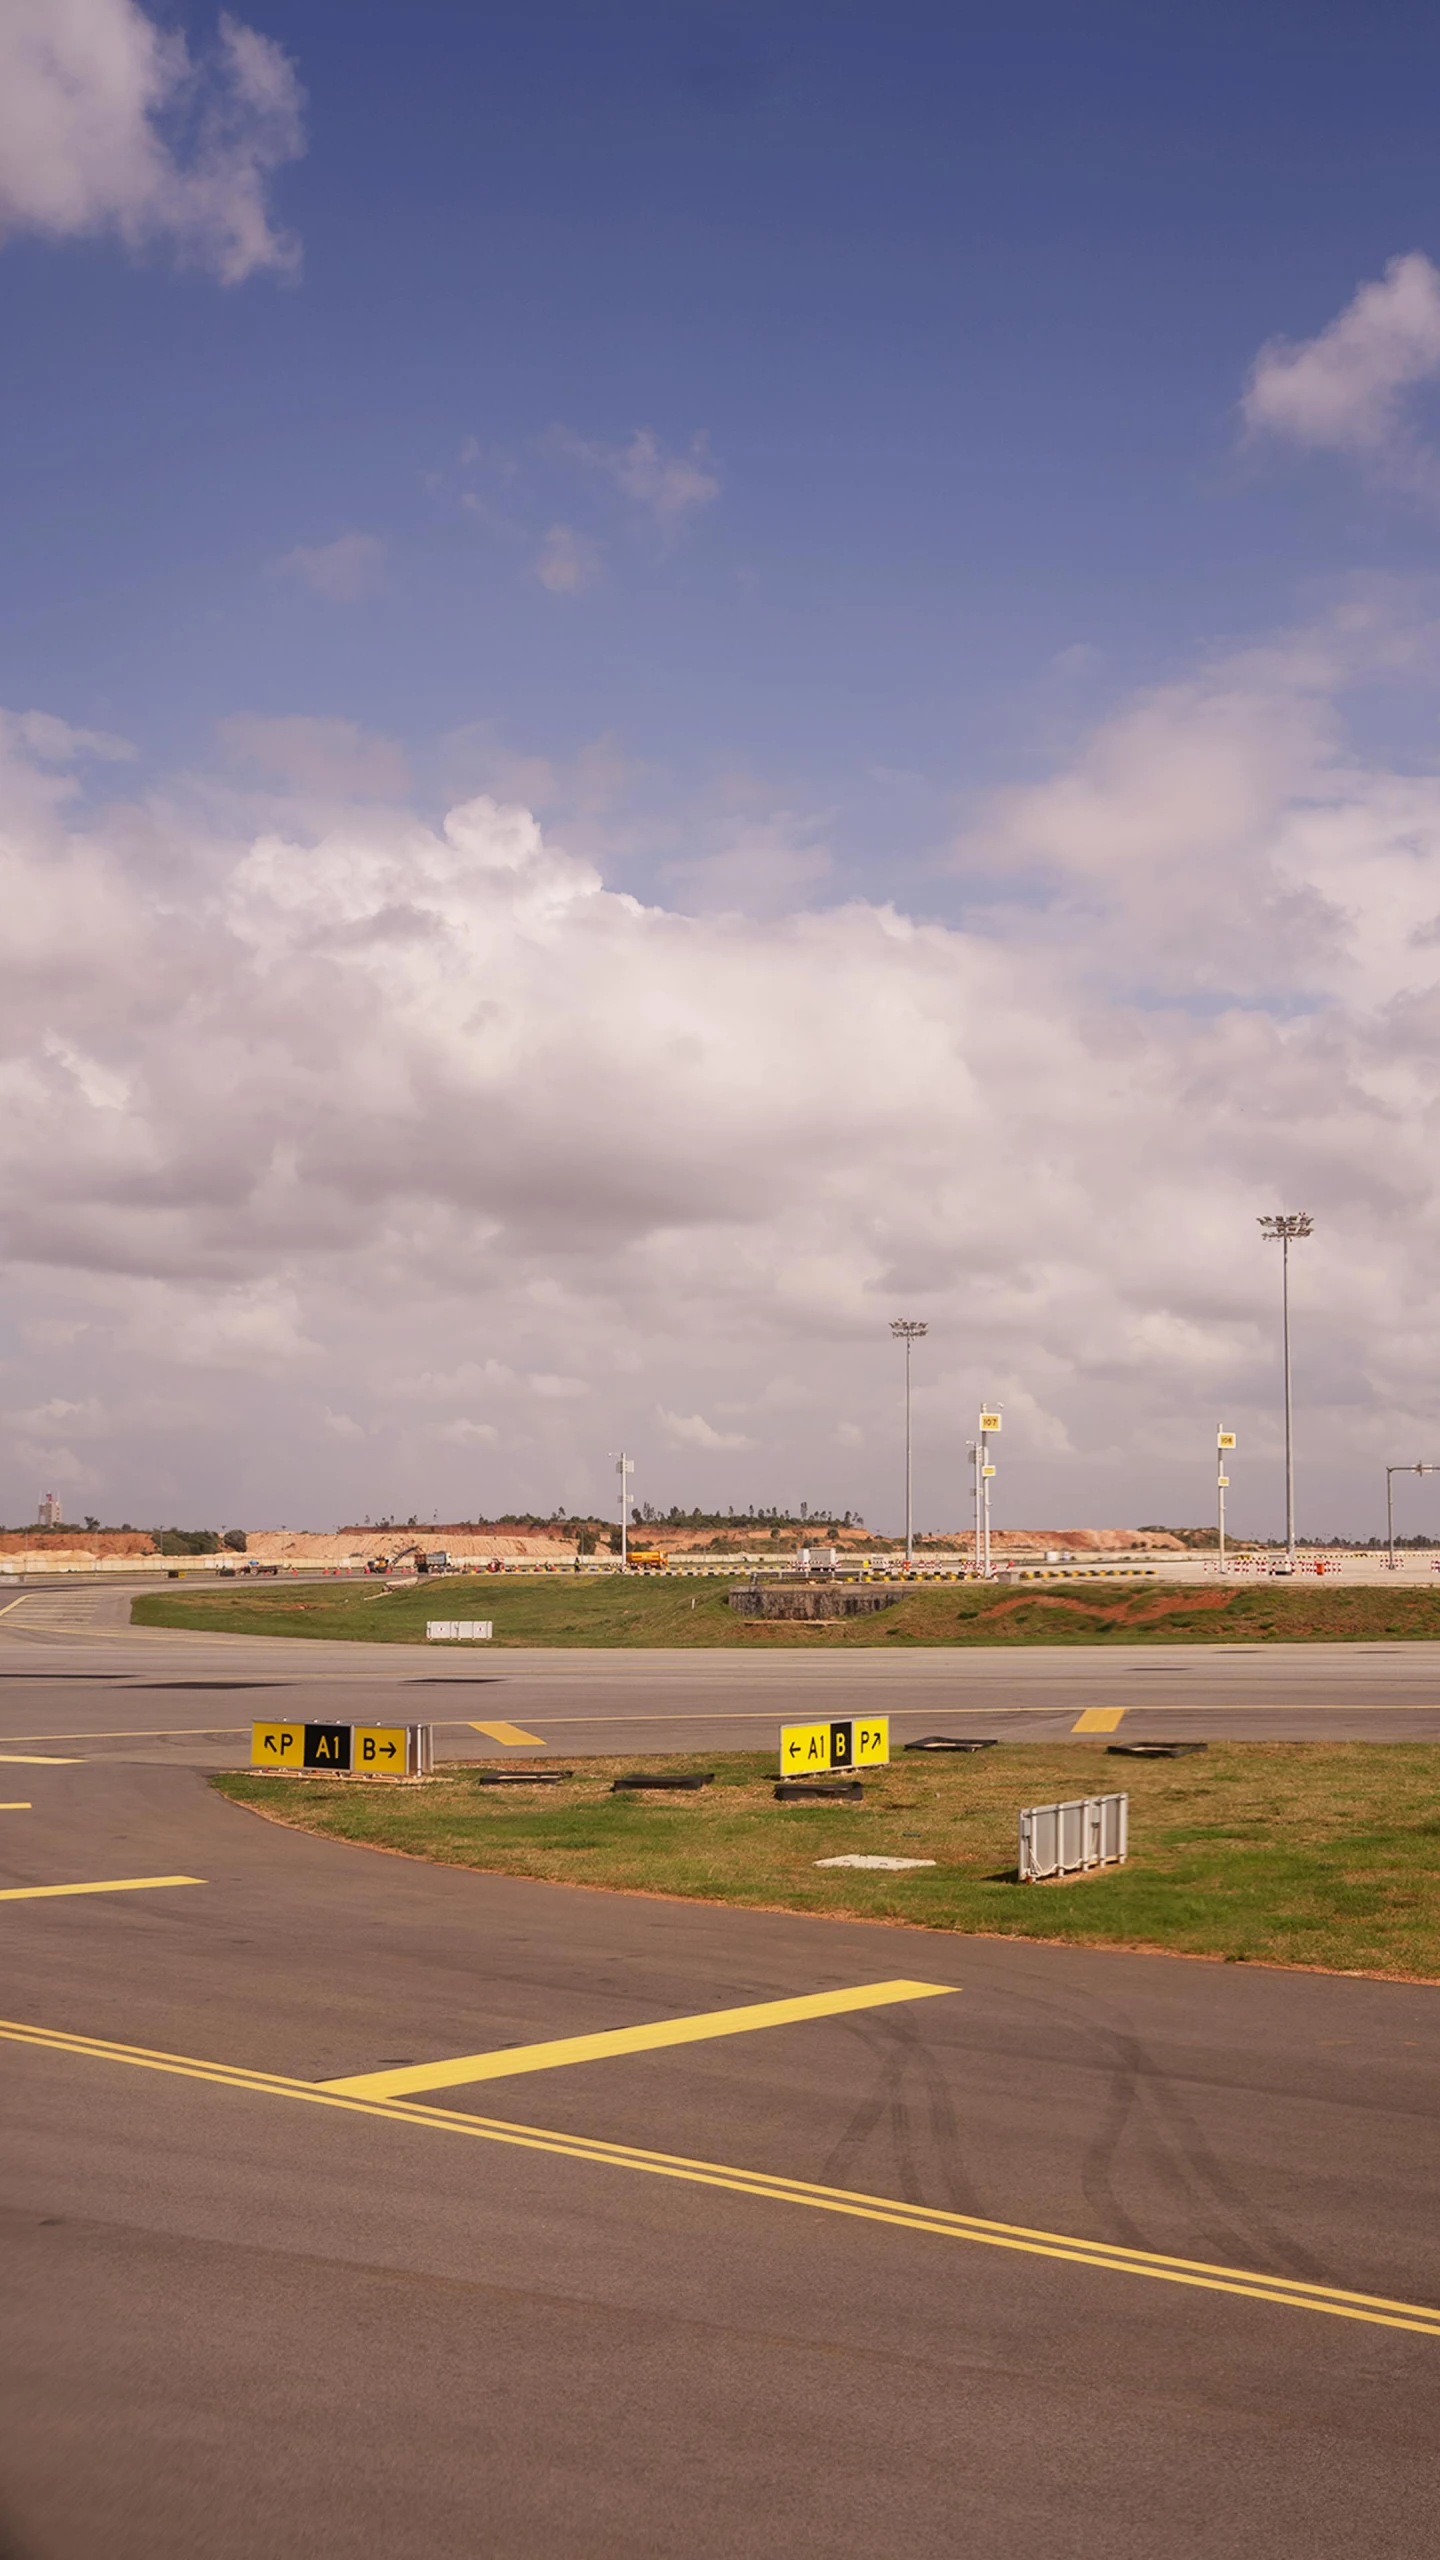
332, 758
54, 742
424, 1124
568, 561
667, 486
1344, 390
692, 1431
107, 123
343, 570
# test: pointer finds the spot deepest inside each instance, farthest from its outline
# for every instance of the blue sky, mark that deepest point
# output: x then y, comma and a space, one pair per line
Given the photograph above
962, 300
835, 468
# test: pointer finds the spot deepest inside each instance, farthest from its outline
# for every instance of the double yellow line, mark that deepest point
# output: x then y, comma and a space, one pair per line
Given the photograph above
1288, 2292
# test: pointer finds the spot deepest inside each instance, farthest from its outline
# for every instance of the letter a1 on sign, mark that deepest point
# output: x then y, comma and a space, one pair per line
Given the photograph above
804, 1750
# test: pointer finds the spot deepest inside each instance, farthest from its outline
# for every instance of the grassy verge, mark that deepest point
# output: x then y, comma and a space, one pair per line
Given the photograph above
1317, 1854
528, 1610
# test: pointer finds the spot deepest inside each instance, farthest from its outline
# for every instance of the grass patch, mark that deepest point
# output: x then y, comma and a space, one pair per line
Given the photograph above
568, 1610
1317, 1854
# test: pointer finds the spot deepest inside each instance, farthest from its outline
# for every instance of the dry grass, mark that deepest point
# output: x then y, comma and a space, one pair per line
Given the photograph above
564, 1609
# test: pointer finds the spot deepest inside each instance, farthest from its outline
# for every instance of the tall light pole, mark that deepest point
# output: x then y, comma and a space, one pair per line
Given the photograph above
1418, 1469
909, 1334
984, 1471
1224, 1443
1285, 1229
624, 1468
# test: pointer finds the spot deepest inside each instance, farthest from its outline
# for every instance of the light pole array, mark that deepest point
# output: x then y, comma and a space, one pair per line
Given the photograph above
1287, 1228
1419, 1469
909, 1334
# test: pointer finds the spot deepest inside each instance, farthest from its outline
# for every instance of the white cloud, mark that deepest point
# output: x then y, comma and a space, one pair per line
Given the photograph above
1343, 391
425, 1126
668, 486
107, 124
766, 866
332, 758
343, 570
568, 561
692, 1431
51, 741
61, 1414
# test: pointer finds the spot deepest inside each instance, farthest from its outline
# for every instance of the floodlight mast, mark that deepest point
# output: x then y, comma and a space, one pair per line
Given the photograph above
1287, 1227
908, 1333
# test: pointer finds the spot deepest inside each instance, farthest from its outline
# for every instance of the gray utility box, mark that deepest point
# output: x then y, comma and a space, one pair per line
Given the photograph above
1070, 1839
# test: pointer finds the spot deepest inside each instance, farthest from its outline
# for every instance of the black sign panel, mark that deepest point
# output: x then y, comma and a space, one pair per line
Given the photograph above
327, 1746
842, 1754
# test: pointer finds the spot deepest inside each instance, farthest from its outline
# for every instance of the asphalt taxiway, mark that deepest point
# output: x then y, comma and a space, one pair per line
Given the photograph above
337, 2224
76, 1676
355, 2206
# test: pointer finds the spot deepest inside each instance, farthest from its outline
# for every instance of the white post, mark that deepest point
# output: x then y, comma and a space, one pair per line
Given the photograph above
1285, 1228
1421, 1468
1289, 1414
624, 1468
909, 1488
903, 1330
1224, 1440
989, 1421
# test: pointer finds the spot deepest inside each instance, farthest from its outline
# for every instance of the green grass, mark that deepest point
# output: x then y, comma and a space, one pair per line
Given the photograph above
565, 1609
1316, 1854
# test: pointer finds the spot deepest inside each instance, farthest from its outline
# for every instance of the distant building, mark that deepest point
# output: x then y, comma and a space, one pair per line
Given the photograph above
52, 1513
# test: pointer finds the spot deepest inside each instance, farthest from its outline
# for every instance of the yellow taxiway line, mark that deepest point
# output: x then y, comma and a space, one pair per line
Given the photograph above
1288, 2292
112, 1884
510, 1734
1098, 1720
471, 2067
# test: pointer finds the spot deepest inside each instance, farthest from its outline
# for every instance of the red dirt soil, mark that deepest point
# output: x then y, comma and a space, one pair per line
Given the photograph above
1129, 1613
